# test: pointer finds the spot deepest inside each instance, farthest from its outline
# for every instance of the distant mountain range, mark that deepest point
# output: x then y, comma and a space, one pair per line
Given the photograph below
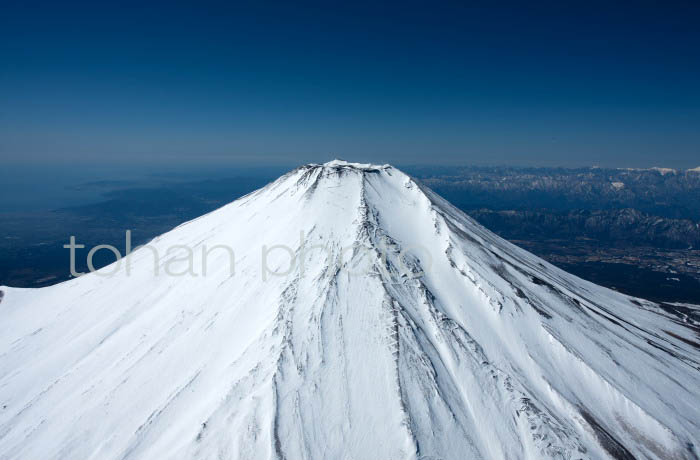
614, 226
656, 192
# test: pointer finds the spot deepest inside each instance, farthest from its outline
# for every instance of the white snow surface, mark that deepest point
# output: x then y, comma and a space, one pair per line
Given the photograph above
664, 171
415, 334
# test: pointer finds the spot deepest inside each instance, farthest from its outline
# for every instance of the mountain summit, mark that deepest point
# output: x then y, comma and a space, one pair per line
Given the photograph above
343, 311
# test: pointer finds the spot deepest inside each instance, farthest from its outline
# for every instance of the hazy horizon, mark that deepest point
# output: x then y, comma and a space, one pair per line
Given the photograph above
44, 187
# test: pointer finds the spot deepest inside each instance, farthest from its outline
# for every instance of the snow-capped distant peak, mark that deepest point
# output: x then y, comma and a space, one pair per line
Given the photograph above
664, 171
617, 185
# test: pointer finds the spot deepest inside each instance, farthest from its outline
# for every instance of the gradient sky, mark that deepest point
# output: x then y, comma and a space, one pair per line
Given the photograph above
412, 82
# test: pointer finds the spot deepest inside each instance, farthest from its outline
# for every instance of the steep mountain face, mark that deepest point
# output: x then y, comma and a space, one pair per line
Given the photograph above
387, 325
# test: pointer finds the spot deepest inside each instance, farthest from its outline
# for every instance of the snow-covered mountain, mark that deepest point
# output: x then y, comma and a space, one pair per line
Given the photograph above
388, 325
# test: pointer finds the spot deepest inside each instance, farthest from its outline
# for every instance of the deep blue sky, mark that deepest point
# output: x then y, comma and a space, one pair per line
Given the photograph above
558, 84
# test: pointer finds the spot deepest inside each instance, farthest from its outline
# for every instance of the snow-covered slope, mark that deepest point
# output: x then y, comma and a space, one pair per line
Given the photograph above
404, 330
